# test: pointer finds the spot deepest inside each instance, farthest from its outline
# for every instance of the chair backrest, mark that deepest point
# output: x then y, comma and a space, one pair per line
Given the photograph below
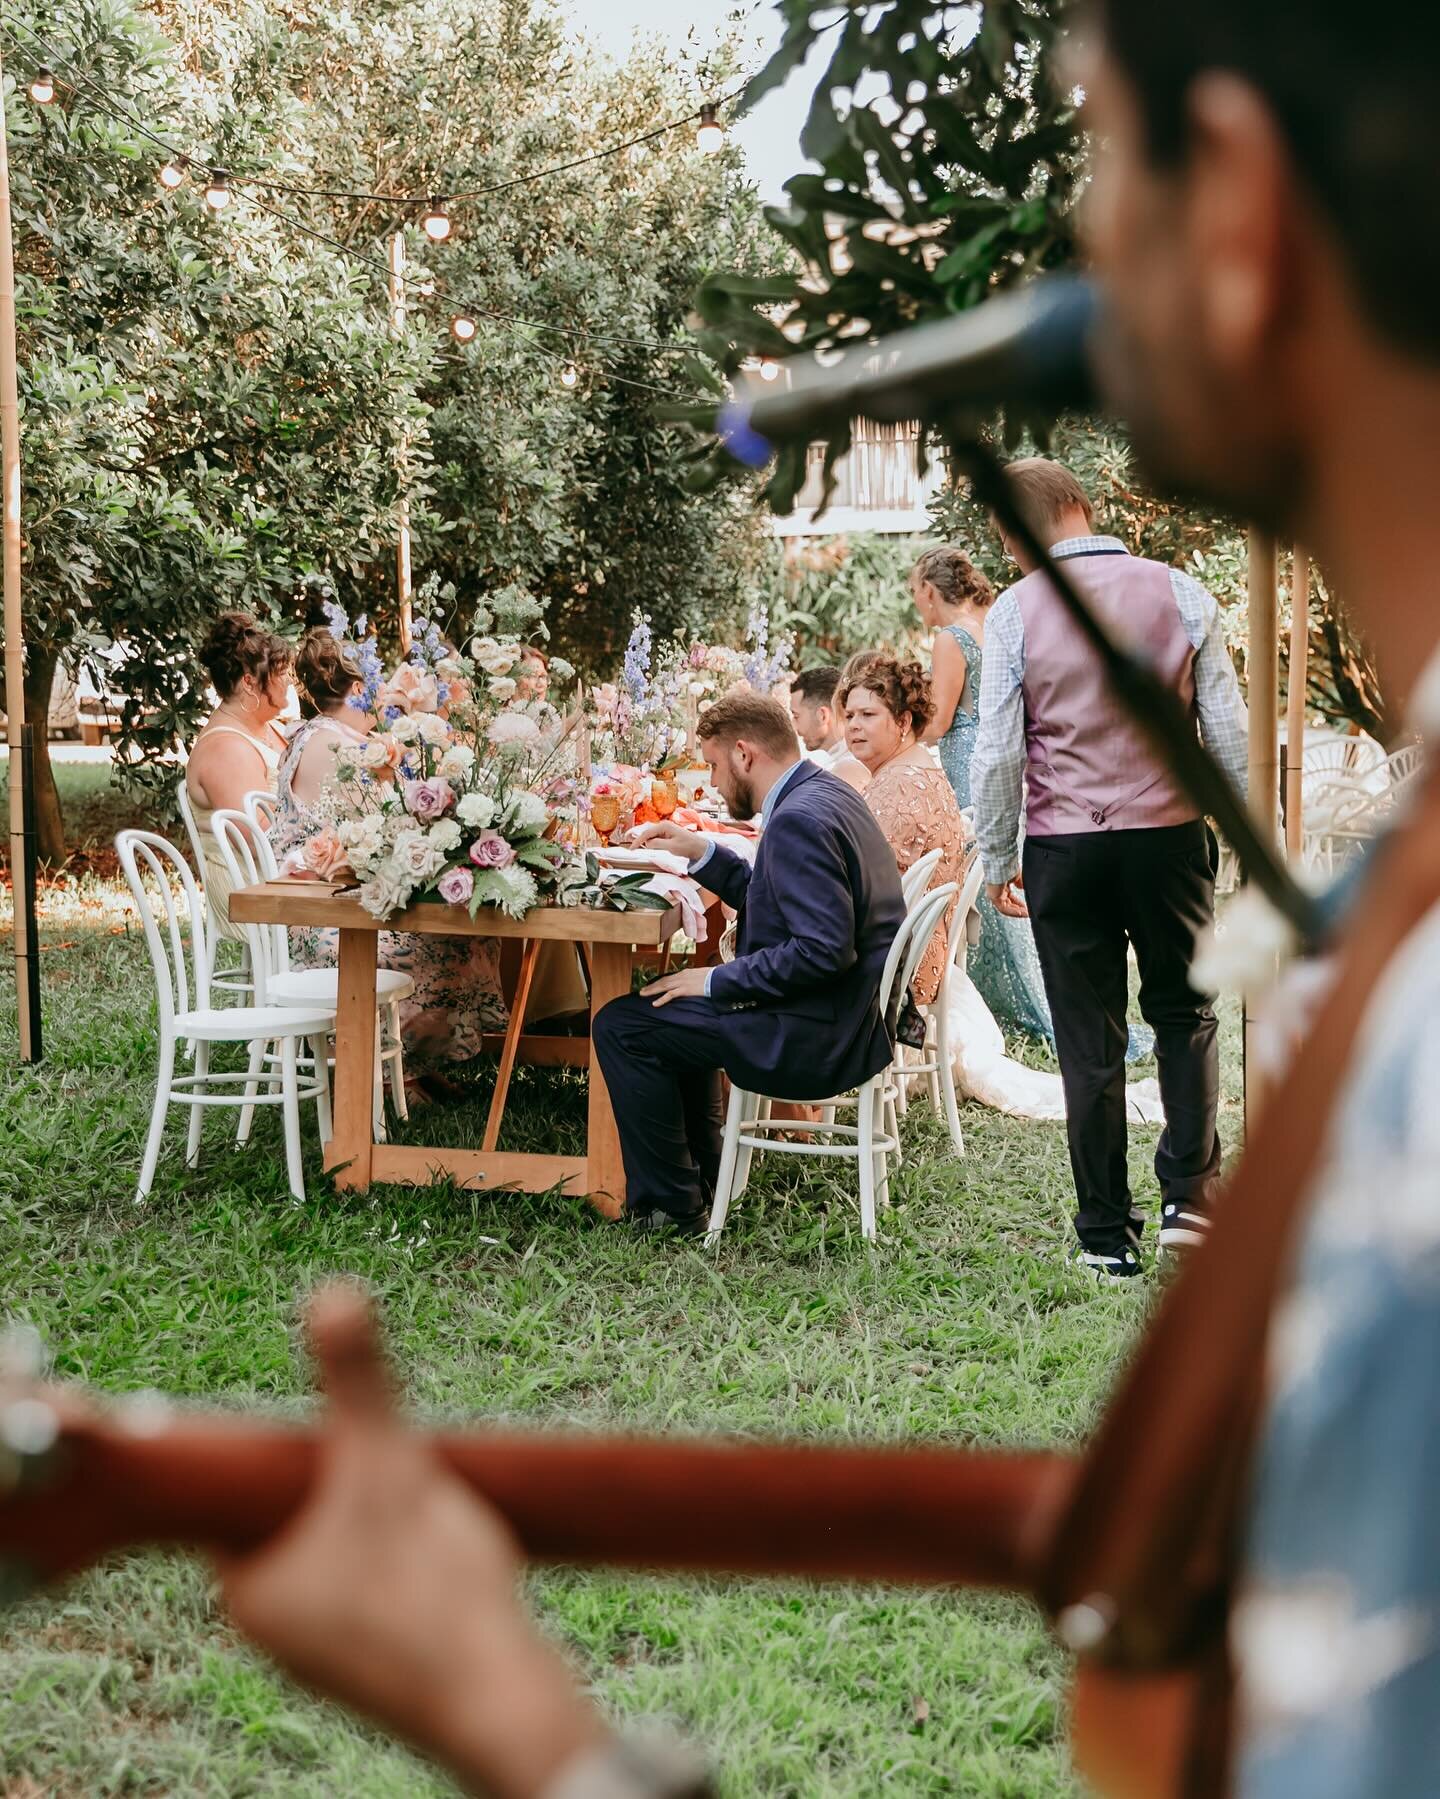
958, 947
916, 930
1403, 766
248, 858
916, 878
260, 807
153, 867
192, 829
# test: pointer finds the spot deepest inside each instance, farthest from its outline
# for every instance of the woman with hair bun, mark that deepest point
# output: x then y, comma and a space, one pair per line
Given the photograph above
238, 748
458, 996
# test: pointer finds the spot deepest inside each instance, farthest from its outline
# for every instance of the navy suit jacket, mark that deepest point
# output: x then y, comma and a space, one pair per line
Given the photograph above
799, 1006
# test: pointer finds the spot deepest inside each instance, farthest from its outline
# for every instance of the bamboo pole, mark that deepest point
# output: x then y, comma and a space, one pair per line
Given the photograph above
1262, 670
402, 549
22, 861
1295, 701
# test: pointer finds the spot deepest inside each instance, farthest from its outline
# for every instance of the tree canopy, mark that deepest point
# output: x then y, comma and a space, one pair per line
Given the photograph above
214, 408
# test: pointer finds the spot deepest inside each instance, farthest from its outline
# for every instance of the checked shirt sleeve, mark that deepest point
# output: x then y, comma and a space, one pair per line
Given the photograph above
1224, 722
997, 769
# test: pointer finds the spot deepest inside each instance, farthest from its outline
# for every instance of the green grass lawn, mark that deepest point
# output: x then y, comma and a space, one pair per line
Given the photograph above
963, 1325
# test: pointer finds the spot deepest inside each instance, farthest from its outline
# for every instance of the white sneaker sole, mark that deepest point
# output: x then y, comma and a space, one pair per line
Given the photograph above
1177, 1237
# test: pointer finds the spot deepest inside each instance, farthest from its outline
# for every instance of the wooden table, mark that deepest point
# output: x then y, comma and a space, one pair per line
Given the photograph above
610, 940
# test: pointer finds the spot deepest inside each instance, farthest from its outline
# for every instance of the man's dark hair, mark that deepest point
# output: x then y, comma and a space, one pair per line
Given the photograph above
816, 686
752, 716
1357, 98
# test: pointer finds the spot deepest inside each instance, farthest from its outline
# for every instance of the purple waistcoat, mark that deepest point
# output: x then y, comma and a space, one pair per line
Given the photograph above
1088, 767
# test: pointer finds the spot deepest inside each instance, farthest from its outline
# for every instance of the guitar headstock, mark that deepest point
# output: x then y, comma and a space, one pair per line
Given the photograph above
79, 1480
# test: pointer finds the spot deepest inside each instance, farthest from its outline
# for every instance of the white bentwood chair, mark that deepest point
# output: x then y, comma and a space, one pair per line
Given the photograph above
248, 857
934, 1064
871, 1140
154, 868
232, 982
916, 877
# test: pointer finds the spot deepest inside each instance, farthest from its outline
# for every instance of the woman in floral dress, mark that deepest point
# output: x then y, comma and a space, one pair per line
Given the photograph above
457, 995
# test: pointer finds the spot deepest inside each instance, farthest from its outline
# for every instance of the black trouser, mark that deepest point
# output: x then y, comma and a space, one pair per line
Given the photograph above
662, 1067
1088, 894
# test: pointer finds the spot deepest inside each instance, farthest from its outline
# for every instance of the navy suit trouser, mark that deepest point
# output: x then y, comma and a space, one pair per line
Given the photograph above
662, 1067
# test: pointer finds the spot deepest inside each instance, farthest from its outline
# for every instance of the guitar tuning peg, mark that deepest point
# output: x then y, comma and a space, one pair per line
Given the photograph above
22, 1355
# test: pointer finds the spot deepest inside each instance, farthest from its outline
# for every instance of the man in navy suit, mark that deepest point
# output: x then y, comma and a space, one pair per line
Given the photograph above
796, 1015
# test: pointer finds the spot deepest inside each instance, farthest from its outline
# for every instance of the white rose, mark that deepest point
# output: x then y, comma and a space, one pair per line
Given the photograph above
416, 857
494, 658
475, 810
373, 753
503, 688
445, 834
404, 729
529, 812
459, 759
432, 728
449, 668
388, 892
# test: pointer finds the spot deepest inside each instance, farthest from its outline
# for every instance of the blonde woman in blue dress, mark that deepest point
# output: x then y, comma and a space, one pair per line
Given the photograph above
951, 596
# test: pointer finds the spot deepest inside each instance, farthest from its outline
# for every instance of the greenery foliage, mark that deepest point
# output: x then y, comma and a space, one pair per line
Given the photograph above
214, 406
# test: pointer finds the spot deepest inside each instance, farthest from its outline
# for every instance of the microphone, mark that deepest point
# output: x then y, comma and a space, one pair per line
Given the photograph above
1026, 349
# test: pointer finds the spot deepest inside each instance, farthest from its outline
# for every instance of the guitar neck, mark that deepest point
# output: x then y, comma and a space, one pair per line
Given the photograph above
913, 1515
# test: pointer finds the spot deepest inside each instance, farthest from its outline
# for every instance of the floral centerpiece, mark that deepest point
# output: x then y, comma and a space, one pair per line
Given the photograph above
446, 798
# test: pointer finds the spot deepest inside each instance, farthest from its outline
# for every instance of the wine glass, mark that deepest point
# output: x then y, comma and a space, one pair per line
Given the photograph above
605, 816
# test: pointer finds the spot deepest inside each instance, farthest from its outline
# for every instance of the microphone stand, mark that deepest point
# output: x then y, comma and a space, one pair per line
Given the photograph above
1154, 706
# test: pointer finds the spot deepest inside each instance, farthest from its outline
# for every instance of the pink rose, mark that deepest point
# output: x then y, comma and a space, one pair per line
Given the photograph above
428, 800
326, 857
455, 886
490, 850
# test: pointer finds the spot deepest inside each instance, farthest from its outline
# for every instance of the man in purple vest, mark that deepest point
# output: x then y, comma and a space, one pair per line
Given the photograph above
1115, 854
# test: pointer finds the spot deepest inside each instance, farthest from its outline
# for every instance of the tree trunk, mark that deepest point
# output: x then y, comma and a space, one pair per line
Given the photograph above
49, 824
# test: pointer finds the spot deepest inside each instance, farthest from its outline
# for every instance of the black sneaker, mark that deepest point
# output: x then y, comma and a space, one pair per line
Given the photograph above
693, 1225
1109, 1270
1182, 1226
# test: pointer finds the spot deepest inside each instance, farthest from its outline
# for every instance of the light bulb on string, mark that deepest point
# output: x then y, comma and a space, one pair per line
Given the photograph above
173, 173
436, 223
462, 329
569, 375
42, 88
710, 133
217, 190
769, 368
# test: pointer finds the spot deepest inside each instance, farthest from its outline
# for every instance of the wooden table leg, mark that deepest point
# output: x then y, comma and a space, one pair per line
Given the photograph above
610, 968
349, 1150
528, 957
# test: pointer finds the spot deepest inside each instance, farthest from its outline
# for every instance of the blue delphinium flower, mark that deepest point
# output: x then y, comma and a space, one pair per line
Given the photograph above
336, 620
636, 673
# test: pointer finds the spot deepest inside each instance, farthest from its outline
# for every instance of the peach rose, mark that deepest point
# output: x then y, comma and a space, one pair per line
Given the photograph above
409, 689
326, 857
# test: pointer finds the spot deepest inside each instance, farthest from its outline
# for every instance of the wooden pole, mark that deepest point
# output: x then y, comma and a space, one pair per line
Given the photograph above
402, 548
1295, 701
22, 845
1262, 669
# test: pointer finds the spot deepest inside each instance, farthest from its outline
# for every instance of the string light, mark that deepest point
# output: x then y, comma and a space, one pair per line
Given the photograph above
217, 190
462, 329
769, 368
173, 173
569, 375
42, 88
436, 222
710, 133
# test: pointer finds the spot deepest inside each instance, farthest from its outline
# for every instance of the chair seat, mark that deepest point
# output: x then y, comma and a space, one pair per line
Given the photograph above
321, 986
243, 1024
